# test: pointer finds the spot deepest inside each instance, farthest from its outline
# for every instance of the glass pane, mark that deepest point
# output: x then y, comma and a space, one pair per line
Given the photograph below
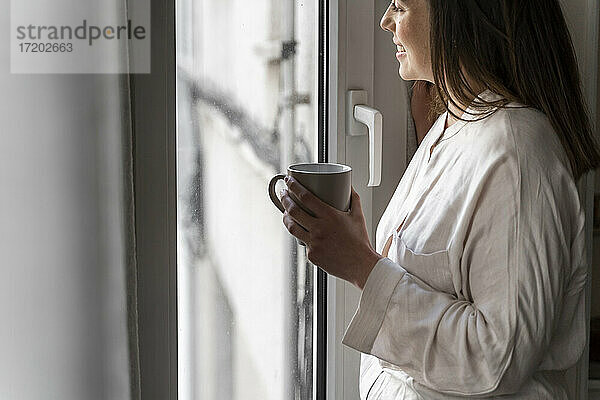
246, 100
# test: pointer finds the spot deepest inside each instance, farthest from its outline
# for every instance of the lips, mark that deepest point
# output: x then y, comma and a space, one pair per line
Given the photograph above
401, 52
399, 46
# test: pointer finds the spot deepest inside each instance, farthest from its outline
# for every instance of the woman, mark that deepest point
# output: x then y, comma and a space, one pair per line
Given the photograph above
476, 286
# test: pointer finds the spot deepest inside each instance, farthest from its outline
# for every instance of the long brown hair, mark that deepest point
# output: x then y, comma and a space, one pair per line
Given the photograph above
521, 50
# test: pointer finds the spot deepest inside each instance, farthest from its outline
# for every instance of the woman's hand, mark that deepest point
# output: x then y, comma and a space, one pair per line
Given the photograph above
420, 104
336, 241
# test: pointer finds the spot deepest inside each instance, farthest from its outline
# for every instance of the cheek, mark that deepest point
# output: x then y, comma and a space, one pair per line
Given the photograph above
404, 34
409, 35
418, 47
414, 34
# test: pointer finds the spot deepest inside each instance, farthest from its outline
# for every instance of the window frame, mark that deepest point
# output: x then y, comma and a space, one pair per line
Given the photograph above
354, 56
155, 192
361, 57
320, 326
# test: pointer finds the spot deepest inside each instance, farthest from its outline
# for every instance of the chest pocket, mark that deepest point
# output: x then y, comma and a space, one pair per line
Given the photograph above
432, 268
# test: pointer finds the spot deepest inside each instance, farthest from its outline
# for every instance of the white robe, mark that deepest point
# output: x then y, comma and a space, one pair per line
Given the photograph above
482, 291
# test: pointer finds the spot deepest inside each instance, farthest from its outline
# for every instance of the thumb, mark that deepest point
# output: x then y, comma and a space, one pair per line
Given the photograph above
355, 202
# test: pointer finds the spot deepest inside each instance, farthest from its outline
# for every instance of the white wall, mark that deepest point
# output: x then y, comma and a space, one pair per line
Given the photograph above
62, 308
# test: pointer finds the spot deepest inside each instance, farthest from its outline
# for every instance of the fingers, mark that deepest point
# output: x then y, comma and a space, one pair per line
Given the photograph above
296, 212
295, 229
318, 207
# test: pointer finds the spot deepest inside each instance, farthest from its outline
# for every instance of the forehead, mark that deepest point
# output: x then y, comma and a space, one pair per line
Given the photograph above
406, 3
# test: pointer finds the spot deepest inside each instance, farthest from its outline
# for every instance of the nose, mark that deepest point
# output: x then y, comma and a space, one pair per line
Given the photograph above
387, 22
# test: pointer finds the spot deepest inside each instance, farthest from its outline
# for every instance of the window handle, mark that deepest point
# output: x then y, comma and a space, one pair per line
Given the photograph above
367, 117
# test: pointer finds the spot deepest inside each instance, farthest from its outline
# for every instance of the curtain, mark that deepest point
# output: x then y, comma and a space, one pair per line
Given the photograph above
67, 238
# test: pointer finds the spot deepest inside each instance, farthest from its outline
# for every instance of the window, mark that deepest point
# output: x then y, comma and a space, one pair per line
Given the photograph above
247, 75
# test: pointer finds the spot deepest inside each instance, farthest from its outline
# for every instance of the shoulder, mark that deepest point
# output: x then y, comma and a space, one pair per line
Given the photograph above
522, 133
516, 153
520, 144
517, 150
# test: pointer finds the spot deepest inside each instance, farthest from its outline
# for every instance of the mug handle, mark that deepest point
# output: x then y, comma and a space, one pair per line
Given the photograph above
276, 200
272, 194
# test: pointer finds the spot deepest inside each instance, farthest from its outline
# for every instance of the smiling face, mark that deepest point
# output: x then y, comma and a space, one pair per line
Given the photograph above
408, 20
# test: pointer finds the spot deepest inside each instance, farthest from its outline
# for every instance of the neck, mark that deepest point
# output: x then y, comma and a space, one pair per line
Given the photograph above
449, 118
457, 110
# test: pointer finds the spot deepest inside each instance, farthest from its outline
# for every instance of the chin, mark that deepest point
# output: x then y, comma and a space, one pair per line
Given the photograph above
406, 77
